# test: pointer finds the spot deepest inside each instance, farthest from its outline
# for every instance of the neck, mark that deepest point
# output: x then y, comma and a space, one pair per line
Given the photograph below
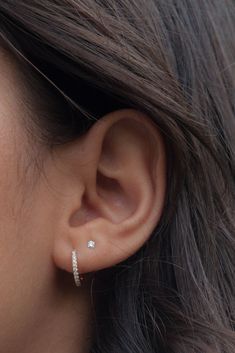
64, 326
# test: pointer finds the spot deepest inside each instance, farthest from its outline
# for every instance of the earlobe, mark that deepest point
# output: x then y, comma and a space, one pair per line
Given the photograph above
121, 165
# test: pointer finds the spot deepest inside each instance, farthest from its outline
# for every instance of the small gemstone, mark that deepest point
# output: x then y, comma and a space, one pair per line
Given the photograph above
91, 244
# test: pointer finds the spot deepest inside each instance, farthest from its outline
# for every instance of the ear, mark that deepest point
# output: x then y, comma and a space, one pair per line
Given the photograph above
116, 179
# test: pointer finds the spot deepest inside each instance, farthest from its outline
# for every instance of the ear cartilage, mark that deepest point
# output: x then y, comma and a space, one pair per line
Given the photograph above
76, 275
91, 244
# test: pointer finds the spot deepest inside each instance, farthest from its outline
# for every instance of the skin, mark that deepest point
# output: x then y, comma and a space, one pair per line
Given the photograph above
45, 214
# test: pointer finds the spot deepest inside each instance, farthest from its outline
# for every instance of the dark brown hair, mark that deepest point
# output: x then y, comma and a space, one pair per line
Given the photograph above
174, 60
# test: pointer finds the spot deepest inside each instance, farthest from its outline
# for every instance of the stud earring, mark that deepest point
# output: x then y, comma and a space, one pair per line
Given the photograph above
77, 277
91, 244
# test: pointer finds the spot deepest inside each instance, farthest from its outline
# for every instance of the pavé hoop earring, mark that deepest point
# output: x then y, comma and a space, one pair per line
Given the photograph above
77, 277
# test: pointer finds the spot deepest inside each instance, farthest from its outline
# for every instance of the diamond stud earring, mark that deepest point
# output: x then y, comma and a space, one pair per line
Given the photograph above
91, 244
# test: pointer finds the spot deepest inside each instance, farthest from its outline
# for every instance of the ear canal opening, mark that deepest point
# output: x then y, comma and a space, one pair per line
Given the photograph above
107, 185
115, 197
85, 213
